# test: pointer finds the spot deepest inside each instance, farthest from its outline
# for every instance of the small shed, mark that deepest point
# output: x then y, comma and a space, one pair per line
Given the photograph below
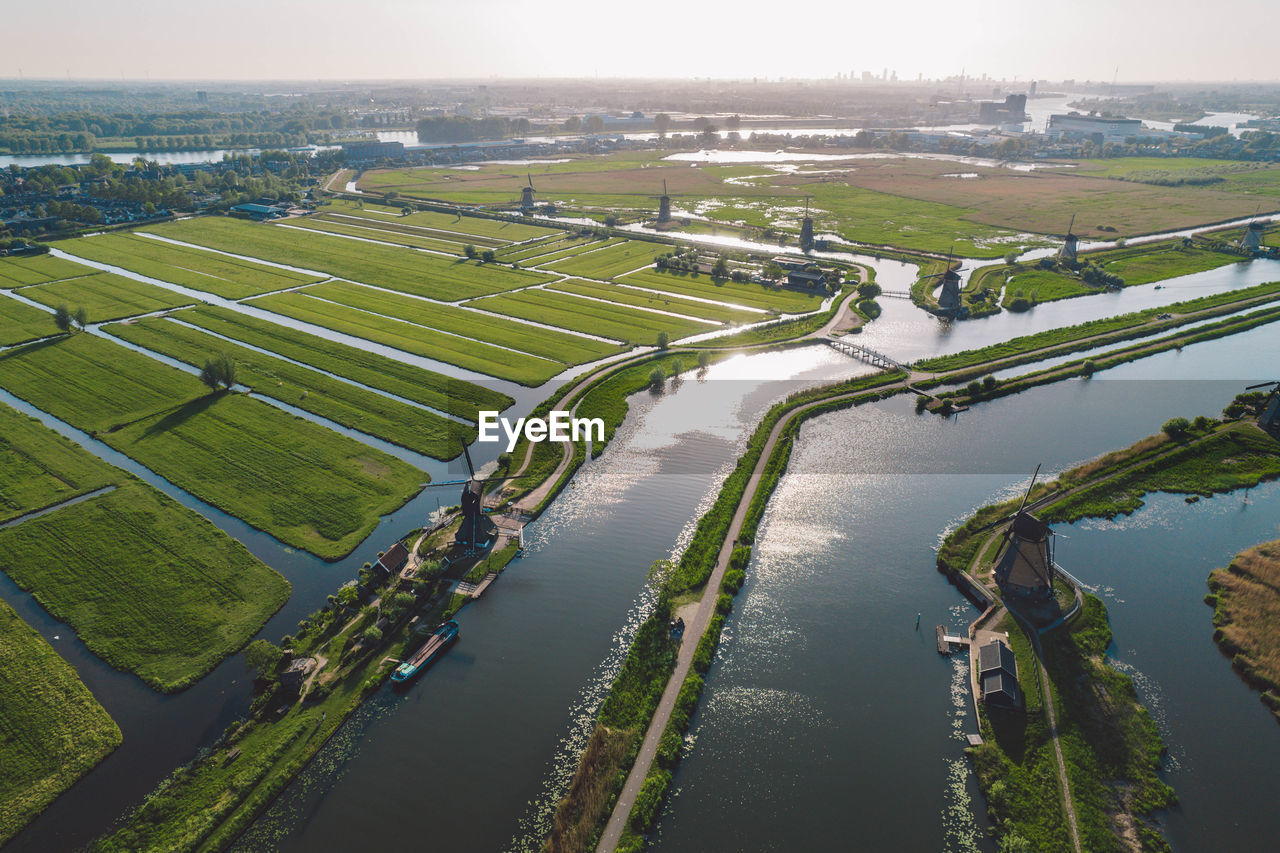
394, 558
998, 675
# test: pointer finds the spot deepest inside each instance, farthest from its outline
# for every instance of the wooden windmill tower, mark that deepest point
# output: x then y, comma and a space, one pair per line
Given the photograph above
1269, 416
806, 228
949, 297
1024, 564
1251, 240
476, 528
664, 204
526, 195
1067, 254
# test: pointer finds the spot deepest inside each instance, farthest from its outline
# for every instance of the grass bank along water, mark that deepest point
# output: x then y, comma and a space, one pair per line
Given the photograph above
1245, 597
627, 710
1111, 745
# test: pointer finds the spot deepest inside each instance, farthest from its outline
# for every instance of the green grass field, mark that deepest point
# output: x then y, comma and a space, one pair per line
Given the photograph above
570, 249
454, 396
37, 269
1144, 264
39, 468
106, 296
20, 323
52, 730
612, 261
302, 483
230, 278
368, 230
392, 267
482, 358
661, 302
1038, 286
549, 249
585, 315
471, 226
358, 408
778, 299
557, 346
151, 587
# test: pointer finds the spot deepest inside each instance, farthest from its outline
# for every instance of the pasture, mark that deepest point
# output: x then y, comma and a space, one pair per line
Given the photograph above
106, 296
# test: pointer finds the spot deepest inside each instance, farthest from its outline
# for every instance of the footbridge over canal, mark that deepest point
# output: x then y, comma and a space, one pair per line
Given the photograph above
870, 356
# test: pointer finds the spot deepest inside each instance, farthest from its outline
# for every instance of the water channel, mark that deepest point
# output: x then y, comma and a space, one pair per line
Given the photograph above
484, 742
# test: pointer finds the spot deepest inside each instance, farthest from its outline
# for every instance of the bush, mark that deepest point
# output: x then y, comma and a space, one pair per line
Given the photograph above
988, 382
651, 795
1176, 427
921, 402
657, 379
868, 290
663, 340
973, 389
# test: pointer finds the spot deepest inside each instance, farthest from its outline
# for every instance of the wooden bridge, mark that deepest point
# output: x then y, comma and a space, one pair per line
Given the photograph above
870, 356
896, 294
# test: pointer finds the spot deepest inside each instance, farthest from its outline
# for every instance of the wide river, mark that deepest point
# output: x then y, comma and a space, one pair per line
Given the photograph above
825, 703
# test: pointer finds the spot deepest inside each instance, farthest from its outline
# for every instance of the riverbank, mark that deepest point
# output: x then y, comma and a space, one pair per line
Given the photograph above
1245, 597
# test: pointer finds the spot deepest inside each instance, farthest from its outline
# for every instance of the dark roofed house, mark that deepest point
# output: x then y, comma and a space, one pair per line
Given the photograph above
806, 279
998, 675
394, 558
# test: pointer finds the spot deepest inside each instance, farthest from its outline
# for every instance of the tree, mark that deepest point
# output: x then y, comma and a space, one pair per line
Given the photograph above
677, 367
62, 318
263, 658
595, 124
470, 251
704, 360
488, 256
663, 340
372, 634
504, 461
1012, 257
81, 317
662, 123
988, 382
1175, 427
219, 371
721, 268
657, 379
868, 290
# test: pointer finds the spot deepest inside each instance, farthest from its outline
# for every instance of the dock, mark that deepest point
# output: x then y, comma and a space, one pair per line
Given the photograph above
946, 641
475, 590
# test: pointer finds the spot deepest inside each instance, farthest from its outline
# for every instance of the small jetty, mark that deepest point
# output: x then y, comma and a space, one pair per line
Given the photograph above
946, 641
435, 644
475, 590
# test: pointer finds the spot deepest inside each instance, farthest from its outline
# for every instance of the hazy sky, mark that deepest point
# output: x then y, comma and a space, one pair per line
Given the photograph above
352, 39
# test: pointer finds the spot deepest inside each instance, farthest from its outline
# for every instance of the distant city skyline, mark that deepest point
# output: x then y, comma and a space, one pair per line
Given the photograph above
401, 39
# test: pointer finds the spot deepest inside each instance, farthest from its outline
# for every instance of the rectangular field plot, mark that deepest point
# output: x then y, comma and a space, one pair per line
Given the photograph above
37, 269
586, 315
198, 269
454, 396
367, 230
779, 299
20, 322
482, 358
557, 346
392, 267
658, 301
358, 408
476, 229
612, 261
55, 731
302, 483
39, 468
552, 250
150, 586
106, 296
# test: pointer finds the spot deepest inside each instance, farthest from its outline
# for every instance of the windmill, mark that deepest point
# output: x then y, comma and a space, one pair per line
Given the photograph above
475, 526
949, 297
1251, 240
526, 195
1067, 254
806, 228
1269, 419
664, 204
1024, 564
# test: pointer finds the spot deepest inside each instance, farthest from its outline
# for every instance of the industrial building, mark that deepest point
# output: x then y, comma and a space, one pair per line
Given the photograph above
369, 150
1100, 129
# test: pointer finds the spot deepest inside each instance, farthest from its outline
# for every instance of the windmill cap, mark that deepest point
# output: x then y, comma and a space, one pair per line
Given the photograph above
1027, 526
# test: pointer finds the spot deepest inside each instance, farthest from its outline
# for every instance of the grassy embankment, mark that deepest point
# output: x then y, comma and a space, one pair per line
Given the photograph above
358, 408
630, 704
106, 296
20, 323
392, 267
656, 301
366, 229
1245, 597
543, 343
618, 322
1139, 264
37, 269
411, 338
454, 396
1100, 332
568, 248
769, 298
149, 585
1111, 745
614, 260
302, 483
52, 730
474, 227
198, 269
